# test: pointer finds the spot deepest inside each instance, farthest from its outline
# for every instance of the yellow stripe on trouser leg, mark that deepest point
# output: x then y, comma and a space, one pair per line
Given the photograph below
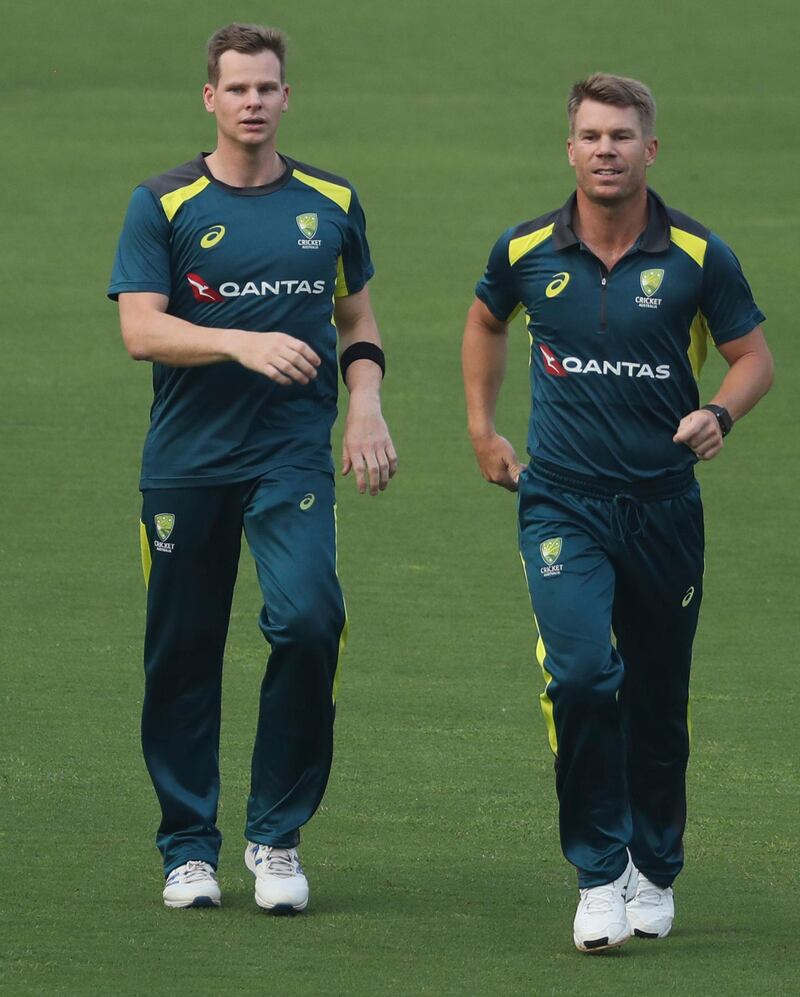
147, 560
342, 645
545, 701
343, 636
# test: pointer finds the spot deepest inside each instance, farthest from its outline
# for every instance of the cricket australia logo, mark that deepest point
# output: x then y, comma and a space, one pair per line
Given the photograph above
308, 224
650, 281
165, 524
551, 551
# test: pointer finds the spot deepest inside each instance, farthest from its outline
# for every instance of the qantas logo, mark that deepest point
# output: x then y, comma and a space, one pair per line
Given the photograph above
263, 288
606, 368
551, 364
201, 290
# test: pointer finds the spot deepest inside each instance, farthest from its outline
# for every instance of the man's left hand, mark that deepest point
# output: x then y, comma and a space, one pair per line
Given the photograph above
700, 432
367, 447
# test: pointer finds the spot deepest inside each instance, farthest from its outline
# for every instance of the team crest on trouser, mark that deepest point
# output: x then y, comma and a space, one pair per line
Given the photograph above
308, 224
651, 281
550, 550
165, 523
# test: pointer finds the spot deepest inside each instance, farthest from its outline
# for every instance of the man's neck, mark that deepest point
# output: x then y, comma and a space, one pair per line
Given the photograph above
243, 167
609, 230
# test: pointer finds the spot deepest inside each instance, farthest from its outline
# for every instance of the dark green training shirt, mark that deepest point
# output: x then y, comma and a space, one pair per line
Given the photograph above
268, 258
615, 356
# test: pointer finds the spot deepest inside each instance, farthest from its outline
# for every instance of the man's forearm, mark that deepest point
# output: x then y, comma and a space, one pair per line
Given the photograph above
362, 376
747, 381
162, 338
151, 334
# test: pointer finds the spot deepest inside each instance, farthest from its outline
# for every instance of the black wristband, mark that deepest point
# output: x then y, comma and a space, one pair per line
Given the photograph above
362, 351
723, 417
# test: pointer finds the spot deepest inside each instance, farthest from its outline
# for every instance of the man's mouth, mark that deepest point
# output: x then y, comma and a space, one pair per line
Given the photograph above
607, 171
253, 121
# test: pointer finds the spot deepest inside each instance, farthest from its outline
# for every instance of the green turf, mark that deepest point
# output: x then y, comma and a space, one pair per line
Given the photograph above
434, 861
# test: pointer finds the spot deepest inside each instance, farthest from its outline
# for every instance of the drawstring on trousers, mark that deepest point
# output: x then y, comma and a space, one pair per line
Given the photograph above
628, 517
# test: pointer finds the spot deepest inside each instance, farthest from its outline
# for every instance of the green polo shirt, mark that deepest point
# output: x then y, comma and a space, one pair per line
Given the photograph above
615, 356
262, 259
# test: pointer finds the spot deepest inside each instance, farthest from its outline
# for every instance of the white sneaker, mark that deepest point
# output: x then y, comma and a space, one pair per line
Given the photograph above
193, 884
601, 921
652, 910
281, 886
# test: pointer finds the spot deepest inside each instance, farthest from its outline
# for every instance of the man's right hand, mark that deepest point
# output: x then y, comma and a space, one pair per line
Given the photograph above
497, 460
277, 356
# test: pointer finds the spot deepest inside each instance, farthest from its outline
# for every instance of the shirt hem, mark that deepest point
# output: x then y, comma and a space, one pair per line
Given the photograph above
116, 289
742, 329
234, 477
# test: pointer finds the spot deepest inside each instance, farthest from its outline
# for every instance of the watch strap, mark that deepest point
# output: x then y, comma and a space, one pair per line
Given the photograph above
724, 420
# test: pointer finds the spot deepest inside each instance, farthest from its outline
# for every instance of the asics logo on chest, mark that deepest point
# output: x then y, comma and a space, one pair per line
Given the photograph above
557, 285
212, 237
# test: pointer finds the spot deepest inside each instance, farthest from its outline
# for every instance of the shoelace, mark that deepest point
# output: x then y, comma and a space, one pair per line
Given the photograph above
277, 861
649, 893
600, 898
193, 872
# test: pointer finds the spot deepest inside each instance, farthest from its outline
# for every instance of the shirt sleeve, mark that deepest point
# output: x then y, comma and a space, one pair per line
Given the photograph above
142, 262
496, 288
726, 300
355, 264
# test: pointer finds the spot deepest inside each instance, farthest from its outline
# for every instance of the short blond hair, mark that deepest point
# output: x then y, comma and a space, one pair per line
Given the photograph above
620, 91
247, 38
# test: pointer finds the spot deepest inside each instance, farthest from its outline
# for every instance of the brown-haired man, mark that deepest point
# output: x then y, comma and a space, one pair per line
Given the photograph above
229, 272
621, 295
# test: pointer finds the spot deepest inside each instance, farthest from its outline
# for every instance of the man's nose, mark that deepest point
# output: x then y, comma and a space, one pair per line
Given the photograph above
605, 147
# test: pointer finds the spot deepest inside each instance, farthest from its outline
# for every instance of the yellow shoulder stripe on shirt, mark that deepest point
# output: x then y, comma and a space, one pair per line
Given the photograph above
171, 202
518, 247
692, 245
338, 194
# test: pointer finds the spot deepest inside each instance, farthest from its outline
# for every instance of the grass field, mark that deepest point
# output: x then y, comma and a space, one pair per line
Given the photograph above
434, 862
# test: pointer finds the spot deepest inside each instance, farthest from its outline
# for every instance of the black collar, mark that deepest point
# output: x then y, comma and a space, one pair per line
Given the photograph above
267, 188
654, 239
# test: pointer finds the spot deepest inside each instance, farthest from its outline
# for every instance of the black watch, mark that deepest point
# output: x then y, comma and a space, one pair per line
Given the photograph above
724, 420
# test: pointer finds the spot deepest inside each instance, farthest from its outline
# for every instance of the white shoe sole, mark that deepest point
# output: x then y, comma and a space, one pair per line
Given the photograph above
593, 946
651, 935
194, 902
281, 908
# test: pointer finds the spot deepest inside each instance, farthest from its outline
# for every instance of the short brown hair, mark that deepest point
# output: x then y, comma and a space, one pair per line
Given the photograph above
621, 91
247, 38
